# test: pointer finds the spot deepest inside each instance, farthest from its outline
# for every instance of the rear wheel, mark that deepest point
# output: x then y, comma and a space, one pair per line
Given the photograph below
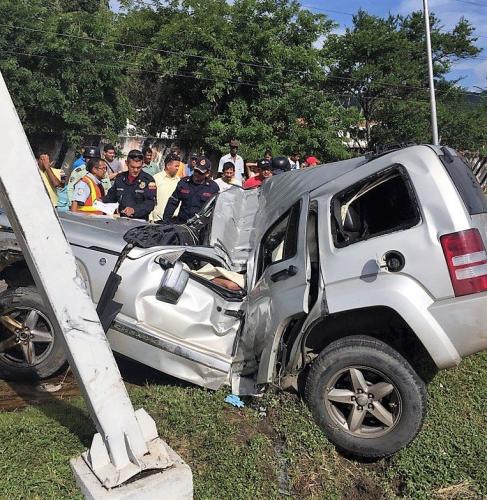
366, 397
30, 346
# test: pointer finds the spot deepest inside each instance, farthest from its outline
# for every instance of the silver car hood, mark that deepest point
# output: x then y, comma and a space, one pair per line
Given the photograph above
89, 231
233, 226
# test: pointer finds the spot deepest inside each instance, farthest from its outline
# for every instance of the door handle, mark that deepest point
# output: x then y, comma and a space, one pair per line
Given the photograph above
284, 274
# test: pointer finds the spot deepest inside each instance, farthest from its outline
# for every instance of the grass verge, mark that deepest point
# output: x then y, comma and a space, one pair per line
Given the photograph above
269, 449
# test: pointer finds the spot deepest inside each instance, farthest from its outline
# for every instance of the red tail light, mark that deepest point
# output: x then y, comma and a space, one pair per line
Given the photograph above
466, 259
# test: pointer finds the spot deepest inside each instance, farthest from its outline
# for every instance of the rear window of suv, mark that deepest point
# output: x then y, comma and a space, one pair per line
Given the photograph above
380, 204
465, 181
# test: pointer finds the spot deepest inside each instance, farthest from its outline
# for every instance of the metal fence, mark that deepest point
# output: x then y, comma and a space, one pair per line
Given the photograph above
478, 164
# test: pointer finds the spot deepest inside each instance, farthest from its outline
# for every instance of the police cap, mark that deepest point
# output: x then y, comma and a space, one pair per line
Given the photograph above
91, 152
203, 165
264, 164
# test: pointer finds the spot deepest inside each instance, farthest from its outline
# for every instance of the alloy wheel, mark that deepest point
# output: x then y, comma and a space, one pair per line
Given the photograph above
363, 401
26, 336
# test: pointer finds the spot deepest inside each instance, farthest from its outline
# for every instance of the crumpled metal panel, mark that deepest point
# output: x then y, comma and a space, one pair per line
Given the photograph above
232, 226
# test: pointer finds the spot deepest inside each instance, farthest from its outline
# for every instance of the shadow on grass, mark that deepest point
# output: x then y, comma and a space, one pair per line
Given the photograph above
66, 413
65, 407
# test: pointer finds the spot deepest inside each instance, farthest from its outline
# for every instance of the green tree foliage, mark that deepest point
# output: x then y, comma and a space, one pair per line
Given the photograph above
381, 65
249, 69
267, 72
62, 78
463, 121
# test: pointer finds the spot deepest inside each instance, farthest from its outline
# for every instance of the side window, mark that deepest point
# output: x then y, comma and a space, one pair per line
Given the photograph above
380, 204
280, 241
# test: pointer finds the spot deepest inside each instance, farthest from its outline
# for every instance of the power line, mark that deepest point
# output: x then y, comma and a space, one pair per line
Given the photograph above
192, 75
312, 7
210, 58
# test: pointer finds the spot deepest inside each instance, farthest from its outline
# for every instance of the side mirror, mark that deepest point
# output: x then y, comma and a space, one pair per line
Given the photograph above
173, 283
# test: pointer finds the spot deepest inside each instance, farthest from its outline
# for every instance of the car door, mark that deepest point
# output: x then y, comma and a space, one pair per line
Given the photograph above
279, 287
192, 339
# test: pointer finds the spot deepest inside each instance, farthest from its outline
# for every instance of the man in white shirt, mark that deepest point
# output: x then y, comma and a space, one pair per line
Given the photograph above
234, 158
294, 160
227, 180
166, 182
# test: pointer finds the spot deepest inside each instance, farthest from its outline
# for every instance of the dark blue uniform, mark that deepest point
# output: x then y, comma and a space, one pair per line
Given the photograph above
191, 196
140, 195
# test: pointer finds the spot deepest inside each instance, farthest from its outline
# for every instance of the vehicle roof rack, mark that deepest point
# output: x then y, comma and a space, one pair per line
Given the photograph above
387, 148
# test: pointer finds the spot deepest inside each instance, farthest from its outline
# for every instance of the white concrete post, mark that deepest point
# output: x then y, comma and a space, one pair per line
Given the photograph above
127, 442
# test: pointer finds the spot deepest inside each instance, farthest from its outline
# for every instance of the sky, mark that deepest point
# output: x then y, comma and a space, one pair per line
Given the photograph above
472, 72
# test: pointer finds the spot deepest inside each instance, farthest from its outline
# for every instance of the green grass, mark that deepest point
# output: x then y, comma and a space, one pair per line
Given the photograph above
240, 454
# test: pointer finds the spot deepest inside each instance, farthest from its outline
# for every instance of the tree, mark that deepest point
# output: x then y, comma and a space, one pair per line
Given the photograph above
249, 69
62, 68
381, 64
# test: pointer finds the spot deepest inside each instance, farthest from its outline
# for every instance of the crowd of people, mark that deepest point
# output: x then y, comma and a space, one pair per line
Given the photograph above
99, 183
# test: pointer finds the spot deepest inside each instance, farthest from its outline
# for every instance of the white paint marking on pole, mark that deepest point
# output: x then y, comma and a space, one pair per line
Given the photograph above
127, 442
434, 124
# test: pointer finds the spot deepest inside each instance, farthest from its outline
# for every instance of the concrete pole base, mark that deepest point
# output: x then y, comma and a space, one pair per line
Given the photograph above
174, 483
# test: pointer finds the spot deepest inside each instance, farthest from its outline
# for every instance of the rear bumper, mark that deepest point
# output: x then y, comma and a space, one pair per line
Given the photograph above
464, 321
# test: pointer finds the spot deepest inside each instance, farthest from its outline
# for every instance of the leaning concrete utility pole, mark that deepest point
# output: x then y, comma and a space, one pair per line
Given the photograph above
434, 124
127, 441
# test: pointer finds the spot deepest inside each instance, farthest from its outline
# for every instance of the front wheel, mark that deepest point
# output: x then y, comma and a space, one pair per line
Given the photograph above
30, 346
366, 397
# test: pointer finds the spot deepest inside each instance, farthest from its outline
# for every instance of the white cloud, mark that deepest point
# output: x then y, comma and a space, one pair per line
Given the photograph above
449, 12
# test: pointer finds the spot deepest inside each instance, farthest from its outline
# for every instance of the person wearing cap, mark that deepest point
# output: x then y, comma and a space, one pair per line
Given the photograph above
134, 190
264, 171
149, 166
227, 180
234, 158
311, 161
89, 189
79, 172
166, 182
191, 193
294, 160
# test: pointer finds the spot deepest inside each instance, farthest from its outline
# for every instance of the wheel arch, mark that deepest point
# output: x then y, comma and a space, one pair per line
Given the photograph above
16, 273
380, 322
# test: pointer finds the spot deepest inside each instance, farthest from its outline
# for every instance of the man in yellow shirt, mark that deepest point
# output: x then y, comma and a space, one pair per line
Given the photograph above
176, 150
166, 182
50, 176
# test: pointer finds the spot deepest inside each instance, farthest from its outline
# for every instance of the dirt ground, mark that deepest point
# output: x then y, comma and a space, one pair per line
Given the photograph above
14, 395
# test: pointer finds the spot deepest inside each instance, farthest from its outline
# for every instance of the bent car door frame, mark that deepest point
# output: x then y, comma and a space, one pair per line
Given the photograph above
280, 292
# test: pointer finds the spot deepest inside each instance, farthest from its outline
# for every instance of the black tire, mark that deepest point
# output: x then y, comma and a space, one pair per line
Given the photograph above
49, 351
333, 377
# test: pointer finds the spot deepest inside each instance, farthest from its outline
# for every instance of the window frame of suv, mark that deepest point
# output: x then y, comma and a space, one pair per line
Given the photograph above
294, 213
403, 174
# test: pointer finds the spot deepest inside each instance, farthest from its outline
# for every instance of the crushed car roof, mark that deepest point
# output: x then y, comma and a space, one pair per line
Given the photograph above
281, 191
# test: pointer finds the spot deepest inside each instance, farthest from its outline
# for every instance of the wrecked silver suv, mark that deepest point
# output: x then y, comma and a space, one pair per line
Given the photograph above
362, 278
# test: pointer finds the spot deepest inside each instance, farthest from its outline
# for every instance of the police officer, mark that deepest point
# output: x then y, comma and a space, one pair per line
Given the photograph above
134, 190
191, 192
